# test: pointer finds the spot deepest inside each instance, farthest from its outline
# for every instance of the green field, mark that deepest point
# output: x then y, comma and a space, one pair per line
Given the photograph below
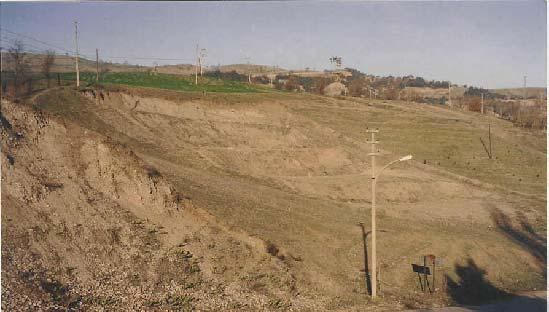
167, 81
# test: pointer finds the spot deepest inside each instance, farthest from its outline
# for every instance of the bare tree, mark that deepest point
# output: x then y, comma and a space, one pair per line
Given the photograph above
47, 63
20, 64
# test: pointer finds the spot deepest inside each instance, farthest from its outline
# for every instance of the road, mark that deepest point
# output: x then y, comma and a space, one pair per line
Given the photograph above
531, 302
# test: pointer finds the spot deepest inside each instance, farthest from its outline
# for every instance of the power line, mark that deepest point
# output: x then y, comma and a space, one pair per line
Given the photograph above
37, 40
41, 49
87, 56
11, 42
149, 58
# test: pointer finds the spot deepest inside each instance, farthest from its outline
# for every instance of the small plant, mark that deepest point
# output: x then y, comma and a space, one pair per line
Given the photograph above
273, 250
179, 301
277, 303
184, 254
192, 267
100, 300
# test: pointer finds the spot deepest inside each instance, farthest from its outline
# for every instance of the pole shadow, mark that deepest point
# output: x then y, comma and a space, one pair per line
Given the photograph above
367, 277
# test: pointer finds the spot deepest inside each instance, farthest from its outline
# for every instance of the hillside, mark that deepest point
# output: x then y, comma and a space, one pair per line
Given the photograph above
254, 69
519, 92
88, 225
425, 92
285, 179
65, 64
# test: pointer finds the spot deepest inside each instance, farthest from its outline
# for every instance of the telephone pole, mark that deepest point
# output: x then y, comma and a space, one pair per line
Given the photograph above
482, 103
247, 58
374, 257
196, 67
450, 94
524, 89
96, 65
76, 45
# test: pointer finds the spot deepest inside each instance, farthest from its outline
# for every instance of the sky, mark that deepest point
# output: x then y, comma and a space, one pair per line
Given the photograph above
487, 44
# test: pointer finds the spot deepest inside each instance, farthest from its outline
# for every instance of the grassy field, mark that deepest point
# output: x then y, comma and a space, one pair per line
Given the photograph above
167, 81
445, 139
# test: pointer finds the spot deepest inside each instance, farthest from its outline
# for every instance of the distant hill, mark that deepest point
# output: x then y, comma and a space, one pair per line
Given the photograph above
65, 63
179, 69
243, 69
519, 92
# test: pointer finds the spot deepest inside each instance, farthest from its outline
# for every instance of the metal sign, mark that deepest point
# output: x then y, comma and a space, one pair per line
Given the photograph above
429, 261
421, 269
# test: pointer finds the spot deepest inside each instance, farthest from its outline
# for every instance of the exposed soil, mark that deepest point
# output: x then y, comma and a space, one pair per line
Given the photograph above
255, 201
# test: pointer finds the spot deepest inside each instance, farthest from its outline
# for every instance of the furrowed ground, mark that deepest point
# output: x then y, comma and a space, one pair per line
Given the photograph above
291, 170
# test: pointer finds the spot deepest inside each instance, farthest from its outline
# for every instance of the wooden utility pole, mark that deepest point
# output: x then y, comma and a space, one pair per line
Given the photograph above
490, 140
96, 65
524, 89
482, 103
450, 94
76, 46
201, 57
249, 70
196, 67
373, 154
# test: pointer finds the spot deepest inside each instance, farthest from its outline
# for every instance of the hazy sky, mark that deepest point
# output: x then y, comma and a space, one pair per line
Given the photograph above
489, 44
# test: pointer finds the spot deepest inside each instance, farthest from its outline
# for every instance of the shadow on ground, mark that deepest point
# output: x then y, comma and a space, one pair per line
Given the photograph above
524, 235
471, 287
366, 266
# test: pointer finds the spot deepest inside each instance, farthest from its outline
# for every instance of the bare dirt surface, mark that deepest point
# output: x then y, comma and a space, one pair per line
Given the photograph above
86, 224
265, 192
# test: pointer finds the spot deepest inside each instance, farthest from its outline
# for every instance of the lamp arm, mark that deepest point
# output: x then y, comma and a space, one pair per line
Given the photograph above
384, 167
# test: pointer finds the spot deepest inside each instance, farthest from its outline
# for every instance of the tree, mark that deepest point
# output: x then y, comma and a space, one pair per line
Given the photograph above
390, 93
291, 84
473, 103
20, 64
47, 63
319, 84
356, 87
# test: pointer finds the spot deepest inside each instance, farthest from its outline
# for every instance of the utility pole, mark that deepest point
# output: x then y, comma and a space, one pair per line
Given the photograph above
524, 89
196, 67
450, 94
490, 140
201, 57
76, 45
482, 103
374, 257
96, 65
247, 58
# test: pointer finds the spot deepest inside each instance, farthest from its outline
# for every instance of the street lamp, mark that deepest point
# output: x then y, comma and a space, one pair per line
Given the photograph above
374, 180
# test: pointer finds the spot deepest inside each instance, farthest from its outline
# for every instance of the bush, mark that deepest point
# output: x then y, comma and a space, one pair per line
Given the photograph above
473, 103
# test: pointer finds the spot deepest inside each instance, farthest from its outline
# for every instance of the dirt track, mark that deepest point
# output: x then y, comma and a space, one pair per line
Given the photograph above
533, 302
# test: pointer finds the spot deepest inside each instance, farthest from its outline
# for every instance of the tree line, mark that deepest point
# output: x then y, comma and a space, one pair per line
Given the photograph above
20, 81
